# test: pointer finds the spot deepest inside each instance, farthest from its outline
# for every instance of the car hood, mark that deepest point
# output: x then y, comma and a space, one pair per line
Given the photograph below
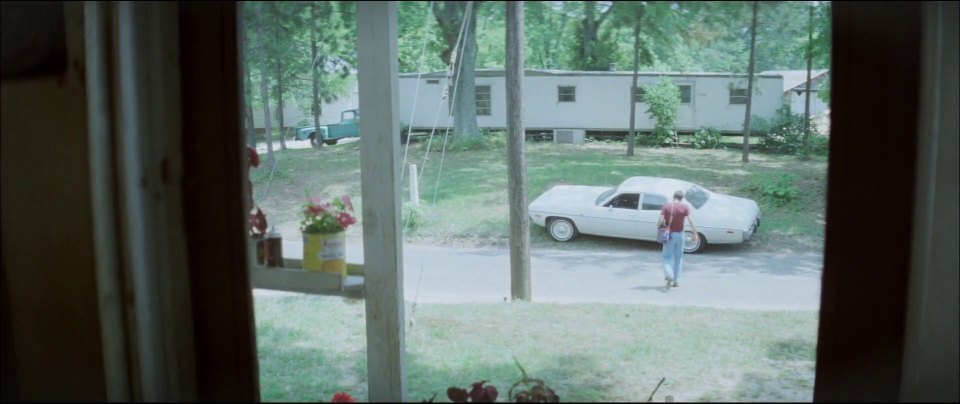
727, 211
561, 198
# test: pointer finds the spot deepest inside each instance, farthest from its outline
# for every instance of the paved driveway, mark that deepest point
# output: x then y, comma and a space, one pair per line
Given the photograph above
733, 278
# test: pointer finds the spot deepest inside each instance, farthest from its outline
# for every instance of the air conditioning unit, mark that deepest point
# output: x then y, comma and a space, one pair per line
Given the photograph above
575, 136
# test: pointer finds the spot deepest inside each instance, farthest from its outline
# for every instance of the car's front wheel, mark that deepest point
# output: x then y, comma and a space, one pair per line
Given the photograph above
561, 229
692, 246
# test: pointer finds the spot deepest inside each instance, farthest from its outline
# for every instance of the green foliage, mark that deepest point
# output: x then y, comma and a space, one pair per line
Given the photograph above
707, 138
487, 140
775, 188
412, 218
663, 99
784, 134
415, 21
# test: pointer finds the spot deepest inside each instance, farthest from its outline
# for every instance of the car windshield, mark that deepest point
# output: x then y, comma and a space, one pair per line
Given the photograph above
697, 196
606, 194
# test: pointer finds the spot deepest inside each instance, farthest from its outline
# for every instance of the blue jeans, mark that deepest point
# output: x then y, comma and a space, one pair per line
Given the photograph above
673, 256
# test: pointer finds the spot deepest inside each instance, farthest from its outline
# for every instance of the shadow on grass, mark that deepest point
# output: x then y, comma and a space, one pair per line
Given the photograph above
293, 371
789, 375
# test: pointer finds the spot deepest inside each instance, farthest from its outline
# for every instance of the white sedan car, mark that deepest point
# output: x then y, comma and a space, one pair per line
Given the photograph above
630, 210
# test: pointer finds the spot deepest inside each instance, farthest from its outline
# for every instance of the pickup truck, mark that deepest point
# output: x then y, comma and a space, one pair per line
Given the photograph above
330, 134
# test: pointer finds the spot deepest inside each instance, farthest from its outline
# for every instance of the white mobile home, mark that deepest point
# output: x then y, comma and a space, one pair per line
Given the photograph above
593, 101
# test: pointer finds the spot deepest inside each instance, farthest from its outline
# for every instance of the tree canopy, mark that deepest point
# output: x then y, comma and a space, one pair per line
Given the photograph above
566, 35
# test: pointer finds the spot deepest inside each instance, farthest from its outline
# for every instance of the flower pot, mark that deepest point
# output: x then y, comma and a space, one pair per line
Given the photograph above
325, 252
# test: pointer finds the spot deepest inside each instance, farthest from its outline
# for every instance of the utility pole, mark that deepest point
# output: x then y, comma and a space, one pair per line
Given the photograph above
516, 159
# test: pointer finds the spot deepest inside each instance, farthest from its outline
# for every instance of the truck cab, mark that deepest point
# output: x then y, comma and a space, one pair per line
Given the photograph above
349, 126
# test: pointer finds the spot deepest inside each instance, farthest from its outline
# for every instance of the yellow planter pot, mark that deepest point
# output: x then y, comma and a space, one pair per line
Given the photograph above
325, 252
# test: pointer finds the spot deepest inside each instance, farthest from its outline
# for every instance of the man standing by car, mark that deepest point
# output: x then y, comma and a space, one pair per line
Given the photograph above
672, 214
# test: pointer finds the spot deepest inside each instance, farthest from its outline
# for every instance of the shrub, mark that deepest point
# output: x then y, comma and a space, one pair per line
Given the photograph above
707, 138
486, 140
663, 99
785, 134
774, 188
412, 217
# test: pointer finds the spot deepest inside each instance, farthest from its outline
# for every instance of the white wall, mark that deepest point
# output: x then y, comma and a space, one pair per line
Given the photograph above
798, 103
602, 102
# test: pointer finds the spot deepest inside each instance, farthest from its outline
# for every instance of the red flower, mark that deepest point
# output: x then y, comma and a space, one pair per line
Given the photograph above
315, 209
258, 221
345, 219
252, 157
342, 397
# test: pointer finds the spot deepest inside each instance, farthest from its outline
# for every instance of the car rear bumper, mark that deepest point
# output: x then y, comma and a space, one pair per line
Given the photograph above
747, 235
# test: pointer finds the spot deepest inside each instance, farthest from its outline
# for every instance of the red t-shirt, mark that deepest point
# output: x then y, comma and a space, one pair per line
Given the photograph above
680, 212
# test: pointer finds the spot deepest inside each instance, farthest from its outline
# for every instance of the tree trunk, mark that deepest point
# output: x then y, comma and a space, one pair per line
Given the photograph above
746, 119
636, 66
589, 32
248, 107
283, 143
314, 69
806, 108
247, 100
590, 25
516, 160
265, 87
465, 120
463, 99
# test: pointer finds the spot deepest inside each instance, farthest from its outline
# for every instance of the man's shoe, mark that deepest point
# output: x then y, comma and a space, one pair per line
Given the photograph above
675, 284
669, 282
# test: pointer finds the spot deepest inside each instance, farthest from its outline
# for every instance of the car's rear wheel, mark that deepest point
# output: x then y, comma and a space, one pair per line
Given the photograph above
561, 229
330, 142
691, 246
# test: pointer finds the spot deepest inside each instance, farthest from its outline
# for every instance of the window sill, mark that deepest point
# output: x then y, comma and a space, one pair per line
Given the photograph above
291, 278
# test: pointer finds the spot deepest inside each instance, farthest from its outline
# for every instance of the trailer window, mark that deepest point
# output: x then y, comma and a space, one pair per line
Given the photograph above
738, 96
639, 94
685, 94
566, 94
483, 100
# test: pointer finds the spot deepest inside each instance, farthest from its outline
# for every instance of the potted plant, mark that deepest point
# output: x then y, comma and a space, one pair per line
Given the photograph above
324, 227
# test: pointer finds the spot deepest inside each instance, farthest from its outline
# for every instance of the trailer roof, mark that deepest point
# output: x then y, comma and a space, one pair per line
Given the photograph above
542, 72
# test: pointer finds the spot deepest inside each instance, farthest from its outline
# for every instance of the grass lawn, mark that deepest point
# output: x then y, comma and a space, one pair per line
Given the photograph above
469, 204
312, 346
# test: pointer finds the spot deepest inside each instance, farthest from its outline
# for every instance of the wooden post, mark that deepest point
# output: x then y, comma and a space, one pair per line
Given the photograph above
151, 168
414, 186
516, 161
97, 31
380, 189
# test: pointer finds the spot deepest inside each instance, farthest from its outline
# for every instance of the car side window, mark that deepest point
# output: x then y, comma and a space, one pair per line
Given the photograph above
625, 201
653, 202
